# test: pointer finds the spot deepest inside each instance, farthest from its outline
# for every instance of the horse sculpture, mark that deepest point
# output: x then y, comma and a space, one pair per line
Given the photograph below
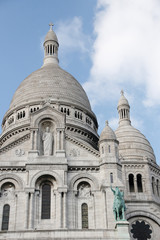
119, 205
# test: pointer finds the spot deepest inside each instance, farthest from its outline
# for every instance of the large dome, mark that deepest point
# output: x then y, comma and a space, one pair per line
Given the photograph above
52, 82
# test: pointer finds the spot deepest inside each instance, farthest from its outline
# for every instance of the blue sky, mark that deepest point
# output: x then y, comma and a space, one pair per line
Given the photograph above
106, 45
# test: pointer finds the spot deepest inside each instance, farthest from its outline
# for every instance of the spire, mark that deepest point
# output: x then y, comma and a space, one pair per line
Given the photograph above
51, 26
123, 110
51, 47
122, 92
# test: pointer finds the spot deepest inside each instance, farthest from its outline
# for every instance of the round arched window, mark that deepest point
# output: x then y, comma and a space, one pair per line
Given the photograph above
141, 230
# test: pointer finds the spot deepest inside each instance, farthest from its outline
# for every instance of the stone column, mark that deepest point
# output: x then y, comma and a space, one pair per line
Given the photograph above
32, 140
64, 211
14, 115
128, 188
34, 143
135, 185
143, 185
62, 140
27, 210
36, 207
27, 111
105, 213
59, 209
31, 211
35, 139
58, 140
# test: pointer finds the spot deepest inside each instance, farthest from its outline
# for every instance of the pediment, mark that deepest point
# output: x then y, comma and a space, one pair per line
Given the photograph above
48, 112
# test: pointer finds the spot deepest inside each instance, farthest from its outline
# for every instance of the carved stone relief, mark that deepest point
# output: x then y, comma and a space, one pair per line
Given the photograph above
84, 190
74, 152
19, 152
8, 189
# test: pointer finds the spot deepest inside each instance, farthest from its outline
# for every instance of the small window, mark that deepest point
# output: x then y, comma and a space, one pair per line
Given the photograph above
139, 183
157, 185
68, 112
5, 217
111, 177
84, 216
109, 148
153, 183
102, 150
131, 182
50, 49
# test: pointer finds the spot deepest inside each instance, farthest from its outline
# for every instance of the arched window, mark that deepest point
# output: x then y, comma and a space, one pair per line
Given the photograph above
139, 183
157, 185
84, 216
46, 201
153, 183
5, 217
50, 49
131, 182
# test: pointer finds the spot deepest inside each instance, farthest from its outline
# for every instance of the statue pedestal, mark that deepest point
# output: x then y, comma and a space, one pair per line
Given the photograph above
60, 153
33, 153
122, 228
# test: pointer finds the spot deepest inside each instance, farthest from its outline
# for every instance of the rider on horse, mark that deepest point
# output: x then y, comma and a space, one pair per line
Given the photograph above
119, 205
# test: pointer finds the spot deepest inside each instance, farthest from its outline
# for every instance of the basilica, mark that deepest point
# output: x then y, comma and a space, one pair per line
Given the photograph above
59, 178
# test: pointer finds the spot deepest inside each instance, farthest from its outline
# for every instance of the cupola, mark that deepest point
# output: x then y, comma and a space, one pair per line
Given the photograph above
108, 144
51, 47
123, 110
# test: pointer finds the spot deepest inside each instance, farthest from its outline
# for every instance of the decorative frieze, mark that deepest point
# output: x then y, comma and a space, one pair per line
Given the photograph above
15, 143
134, 166
12, 169
82, 169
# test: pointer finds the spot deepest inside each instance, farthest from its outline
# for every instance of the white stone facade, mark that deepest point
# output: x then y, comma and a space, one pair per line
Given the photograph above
59, 188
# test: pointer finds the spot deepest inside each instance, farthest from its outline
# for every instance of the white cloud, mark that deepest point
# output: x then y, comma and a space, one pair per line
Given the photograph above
71, 36
126, 51
137, 123
113, 123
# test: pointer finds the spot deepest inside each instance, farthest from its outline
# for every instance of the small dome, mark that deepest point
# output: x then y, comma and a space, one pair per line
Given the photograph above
122, 100
133, 144
51, 36
107, 133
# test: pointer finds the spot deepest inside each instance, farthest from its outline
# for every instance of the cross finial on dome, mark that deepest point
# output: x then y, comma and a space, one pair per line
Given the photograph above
51, 25
122, 92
